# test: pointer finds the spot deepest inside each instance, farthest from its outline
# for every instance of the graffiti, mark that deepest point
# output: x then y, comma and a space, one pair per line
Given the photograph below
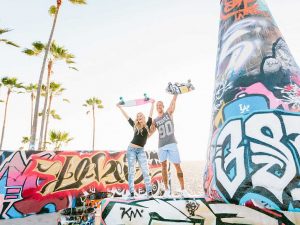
130, 213
291, 95
34, 182
259, 88
281, 59
194, 211
244, 108
191, 207
270, 140
240, 56
254, 146
239, 9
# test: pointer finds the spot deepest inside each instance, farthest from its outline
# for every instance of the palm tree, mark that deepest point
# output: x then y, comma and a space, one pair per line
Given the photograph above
92, 104
55, 89
54, 10
25, 140
12, 85
31, 88
0, 88
58, 138
57, 53
8, 42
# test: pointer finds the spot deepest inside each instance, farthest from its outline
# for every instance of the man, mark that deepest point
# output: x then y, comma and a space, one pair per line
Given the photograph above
167, 144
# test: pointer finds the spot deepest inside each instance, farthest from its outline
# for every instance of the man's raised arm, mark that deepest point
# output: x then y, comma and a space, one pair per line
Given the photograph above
171, 108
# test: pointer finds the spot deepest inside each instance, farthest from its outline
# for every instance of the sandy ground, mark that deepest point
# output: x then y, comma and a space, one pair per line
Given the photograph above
193, 173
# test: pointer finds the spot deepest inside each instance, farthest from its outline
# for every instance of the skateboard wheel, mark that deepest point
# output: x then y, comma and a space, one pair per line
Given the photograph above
146, 97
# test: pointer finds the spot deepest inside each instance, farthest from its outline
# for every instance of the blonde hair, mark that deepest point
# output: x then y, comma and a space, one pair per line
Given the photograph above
139, 127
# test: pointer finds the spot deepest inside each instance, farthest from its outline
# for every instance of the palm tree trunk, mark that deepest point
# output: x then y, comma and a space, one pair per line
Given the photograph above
94, 128
45, 105
4, 120
47, 122
38, 94
31, 112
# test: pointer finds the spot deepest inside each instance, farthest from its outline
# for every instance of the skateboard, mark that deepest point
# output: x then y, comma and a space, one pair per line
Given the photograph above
135, 102
180, 88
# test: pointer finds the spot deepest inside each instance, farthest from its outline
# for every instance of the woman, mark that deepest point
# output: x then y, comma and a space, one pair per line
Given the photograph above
136, 151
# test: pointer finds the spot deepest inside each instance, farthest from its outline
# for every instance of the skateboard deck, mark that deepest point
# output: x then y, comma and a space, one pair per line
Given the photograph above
179, 88
135, 102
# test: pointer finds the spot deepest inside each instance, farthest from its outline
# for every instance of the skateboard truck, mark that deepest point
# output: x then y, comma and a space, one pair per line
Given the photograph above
121, 102
146, 97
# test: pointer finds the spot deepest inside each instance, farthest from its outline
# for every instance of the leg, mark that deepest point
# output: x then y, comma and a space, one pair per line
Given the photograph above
164, 166
163, 156
131, 158
179, 175
143, 162
175, 159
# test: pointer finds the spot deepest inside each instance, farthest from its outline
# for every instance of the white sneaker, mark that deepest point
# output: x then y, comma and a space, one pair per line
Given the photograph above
184, 193
167, 194
131, 196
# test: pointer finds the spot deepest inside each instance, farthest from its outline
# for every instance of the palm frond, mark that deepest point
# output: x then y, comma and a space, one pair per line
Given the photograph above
38, 46
59, 137
31, 87
69, 61
79, 2
11, 82
25, 139
93, 102
9, 43
28, 51
55, 115
73, 68
66, 100
5, 30
52, 10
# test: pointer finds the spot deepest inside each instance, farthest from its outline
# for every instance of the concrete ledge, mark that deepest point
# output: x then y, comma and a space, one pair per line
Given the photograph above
196, 211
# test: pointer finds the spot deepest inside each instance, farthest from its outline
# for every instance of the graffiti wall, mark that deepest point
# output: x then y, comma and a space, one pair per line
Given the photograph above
193, 211
34, 182
255, 143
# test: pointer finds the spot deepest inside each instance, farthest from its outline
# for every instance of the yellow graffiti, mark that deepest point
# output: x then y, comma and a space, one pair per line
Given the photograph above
73, 172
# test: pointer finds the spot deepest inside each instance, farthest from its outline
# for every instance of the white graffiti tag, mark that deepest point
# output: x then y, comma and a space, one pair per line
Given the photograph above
260, 153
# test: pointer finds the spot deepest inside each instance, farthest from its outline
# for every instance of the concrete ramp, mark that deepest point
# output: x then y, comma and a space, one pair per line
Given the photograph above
189, 211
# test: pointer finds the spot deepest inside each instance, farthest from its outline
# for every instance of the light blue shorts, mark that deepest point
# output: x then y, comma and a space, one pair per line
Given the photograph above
169, 152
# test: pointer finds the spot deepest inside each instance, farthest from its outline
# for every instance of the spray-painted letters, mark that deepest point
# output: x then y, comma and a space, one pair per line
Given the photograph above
39, 182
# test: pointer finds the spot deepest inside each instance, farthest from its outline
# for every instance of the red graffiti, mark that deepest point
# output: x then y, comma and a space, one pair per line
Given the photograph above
39, 182
239, 9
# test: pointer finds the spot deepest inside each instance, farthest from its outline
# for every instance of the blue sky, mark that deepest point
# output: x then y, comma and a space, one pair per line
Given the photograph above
124, 48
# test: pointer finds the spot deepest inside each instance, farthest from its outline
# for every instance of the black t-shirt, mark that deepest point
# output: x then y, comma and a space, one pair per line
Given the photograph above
140, 138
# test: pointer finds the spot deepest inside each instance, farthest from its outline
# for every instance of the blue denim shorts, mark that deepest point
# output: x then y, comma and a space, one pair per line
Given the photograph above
169, 152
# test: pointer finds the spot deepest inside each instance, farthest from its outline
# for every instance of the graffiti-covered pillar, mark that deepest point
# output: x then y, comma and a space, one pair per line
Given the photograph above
253, 155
